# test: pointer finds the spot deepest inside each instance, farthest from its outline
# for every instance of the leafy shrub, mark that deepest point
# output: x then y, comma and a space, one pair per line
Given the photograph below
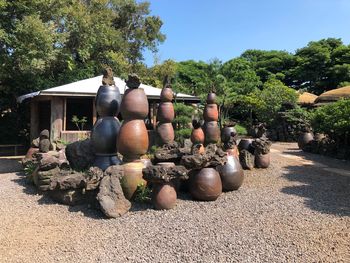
143, 193
241, 130
299, 117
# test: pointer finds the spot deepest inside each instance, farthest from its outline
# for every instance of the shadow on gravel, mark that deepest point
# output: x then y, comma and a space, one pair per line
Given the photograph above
324, 191
9, 166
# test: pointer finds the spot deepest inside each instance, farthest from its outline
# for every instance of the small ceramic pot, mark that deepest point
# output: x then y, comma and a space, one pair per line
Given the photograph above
166, 95
304, 139
197, 136
132, 139
231, 174
262, 160
211, 112
134, 104
227, 132
164, 196
132, 178
212, 132
211, 98
246, 144
205, 184
165, 112
166, 132
108, 101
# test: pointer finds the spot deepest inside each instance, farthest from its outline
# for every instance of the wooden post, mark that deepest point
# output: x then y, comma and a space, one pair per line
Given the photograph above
154, 117
56, 117
94, 114
34, 119
64, 114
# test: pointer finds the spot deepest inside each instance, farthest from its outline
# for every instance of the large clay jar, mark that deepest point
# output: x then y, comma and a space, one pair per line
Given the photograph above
197, 136
166, 95
233, 151
166, 132
165, 112
246, 144
107, 101
211, 112
262, 160
205, 185
211, 98
133, 139
164, 196
212, 132
231, 174
132, 178
134, 104
226, 133
104, 136
304, 139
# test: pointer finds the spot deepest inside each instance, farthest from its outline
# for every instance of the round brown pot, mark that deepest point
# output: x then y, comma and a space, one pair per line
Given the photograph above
197, 136
108, 101
166, 132
231, 174
211, 112
164, 196
132, 178
104, 136
262, 160
227, 132
212, 132
165, 112
132, 139
205, 185
166, 94
211, 98
304, 139
134, 104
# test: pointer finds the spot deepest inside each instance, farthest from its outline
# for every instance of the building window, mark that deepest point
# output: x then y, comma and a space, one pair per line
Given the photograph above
81, 108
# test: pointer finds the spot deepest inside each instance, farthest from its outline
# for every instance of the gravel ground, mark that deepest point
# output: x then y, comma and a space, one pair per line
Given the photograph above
298, 210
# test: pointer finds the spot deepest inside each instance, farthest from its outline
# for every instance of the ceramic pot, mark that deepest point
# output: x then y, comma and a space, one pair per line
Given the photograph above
226, 133
104, 136
262, 160
103, 162
132, 139
166, 95
165, 112
304, 139
166, 132
132, 178
211, 98
197, 136
231, 174
108, 101
164, 196
246, 144
212, 132
205, 185
211, 112
134, 104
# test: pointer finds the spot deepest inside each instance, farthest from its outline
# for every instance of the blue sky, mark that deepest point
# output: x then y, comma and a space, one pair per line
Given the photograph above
223, 29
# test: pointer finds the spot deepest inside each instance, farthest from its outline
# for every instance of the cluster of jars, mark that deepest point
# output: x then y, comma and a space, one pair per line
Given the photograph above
207, 184
104, 134
165, 115
261, 157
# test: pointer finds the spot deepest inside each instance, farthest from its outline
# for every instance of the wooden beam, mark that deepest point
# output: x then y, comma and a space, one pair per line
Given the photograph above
94, 113
34, 120
64, 114
56, 118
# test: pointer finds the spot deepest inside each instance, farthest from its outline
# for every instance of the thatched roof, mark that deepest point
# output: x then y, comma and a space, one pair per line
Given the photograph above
306, 98
334, 95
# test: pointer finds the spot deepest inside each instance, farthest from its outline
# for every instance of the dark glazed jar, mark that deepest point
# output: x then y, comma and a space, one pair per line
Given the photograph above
211, 112
133, 139
166, 94
246, 144
262, 160
104, 136
211, 98
166, 132
165, 112
231, 174
226, 133
164, 196
205, 184
108, 101
212, 132
304, 139
134, 104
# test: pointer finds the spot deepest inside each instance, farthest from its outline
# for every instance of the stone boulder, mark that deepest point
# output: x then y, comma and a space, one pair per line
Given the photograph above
80, 154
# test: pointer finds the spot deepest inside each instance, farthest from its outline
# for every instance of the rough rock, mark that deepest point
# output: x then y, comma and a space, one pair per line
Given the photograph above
44, 178
93, 178
168, 153
163, 174
111, 197
68, 180
35, 143
246, 159
80, 154
48, 162
62, 160
213, 156
261, 145
44, 145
